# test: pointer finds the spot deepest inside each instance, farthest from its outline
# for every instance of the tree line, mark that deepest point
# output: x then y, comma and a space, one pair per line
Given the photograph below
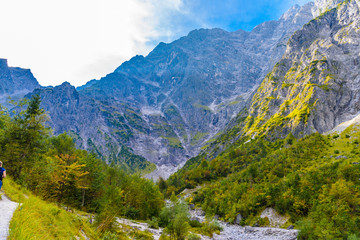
53, 168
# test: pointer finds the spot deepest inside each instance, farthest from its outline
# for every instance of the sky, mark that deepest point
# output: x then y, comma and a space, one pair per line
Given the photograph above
80, 40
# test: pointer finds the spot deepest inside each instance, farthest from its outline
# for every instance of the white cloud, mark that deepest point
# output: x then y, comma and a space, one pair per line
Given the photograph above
77, 40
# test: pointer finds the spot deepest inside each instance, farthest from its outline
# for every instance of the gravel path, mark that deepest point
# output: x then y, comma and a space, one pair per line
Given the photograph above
7, 209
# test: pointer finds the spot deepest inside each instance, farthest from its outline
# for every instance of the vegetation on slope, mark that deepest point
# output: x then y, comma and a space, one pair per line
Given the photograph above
53, 169
314, 180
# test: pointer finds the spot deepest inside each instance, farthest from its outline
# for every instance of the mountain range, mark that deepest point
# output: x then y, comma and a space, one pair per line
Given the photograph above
297, 74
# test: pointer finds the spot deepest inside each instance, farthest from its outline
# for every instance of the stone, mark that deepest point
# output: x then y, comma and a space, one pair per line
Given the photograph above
216, 217
275, 219
290, 227
238, 219
248, 229
199, 212
192, 206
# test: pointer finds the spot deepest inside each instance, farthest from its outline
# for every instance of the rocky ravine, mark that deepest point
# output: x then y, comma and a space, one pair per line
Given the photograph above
230, 231
165, 106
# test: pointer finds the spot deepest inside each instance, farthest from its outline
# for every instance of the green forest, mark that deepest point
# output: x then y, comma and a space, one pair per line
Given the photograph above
52, 168
314, 180
67, 192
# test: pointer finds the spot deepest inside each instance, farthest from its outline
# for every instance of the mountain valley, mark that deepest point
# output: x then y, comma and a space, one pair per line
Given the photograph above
217, 135
163, 108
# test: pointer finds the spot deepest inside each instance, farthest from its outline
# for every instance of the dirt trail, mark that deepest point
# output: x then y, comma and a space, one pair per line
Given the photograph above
7, 209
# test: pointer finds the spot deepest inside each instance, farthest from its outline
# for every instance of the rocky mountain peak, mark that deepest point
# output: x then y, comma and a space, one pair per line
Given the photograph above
290, 14
67, 90
66, 85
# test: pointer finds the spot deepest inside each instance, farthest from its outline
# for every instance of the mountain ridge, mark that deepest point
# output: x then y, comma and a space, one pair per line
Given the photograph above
174, 86
322, 61
167, 105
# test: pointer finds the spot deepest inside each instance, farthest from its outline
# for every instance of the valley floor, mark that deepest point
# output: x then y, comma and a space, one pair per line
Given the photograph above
230, 231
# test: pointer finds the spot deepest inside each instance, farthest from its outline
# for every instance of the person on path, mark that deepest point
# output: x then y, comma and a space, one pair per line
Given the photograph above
2, 174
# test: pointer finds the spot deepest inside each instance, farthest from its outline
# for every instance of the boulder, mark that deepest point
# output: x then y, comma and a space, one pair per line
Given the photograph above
290, 227
275, 219
238, 219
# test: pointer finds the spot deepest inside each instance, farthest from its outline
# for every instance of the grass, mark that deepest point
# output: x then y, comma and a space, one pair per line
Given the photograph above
206, 108
149, 169
173, 142
198, 136
38, 219
14, 191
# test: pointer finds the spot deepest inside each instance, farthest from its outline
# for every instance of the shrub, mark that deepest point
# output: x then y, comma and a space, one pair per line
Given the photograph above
193, 236
153, 223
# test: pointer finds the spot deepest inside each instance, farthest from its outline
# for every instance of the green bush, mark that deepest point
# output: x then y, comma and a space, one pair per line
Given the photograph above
195, 223
153, 223
193, 236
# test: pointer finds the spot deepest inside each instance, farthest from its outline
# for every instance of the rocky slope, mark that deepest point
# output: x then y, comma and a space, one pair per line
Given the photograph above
15, 83
165, 106
315, 86
95, 125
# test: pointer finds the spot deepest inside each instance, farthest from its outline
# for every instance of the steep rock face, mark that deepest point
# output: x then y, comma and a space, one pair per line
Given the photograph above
96, 125
165, 106
316, 85
15, 82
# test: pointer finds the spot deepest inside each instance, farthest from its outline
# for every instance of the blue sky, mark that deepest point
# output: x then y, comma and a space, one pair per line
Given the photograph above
230, 15
77, 41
